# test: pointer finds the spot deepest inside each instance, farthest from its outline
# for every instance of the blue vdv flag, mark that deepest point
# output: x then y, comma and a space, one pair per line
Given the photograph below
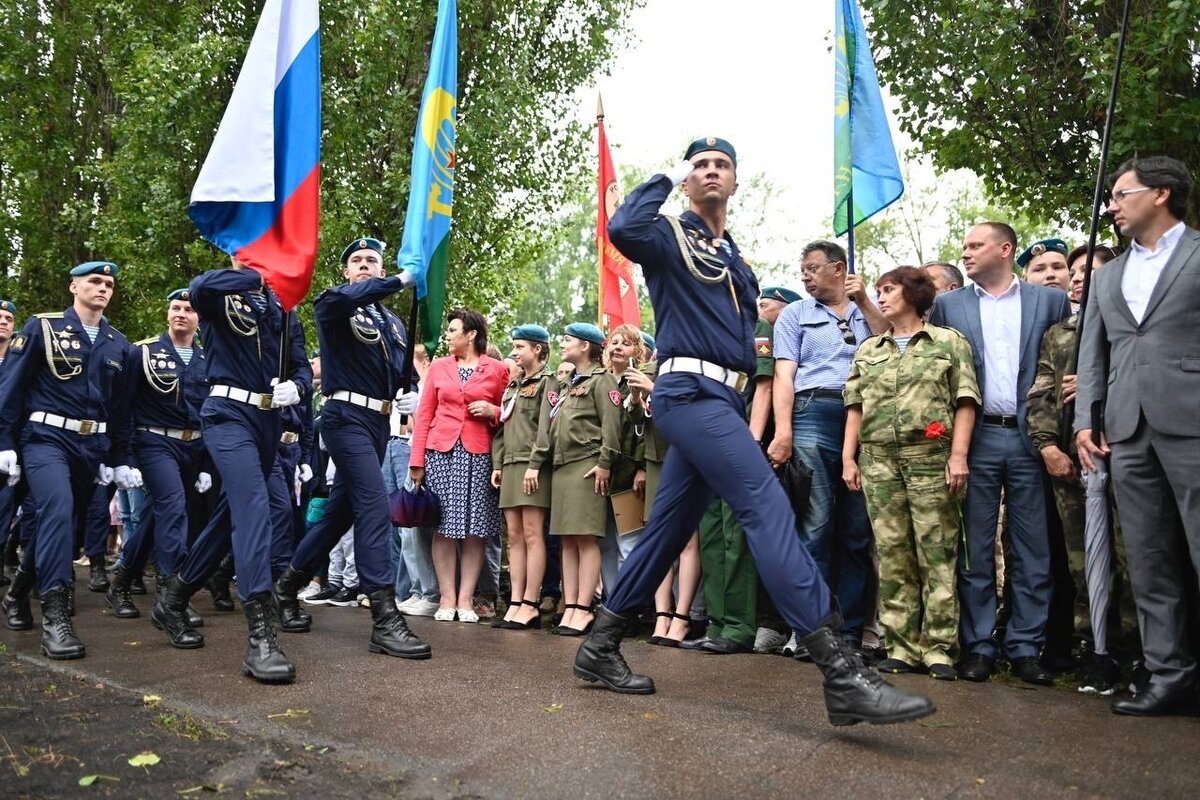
864, 157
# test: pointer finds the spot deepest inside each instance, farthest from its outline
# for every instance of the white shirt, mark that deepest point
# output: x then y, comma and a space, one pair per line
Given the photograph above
1000, 320
1143, 268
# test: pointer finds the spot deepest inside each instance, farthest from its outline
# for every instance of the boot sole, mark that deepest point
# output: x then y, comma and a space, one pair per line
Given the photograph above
375, 648
64, 656
21, 627
189, 646
843, 720
591, 677
246, 670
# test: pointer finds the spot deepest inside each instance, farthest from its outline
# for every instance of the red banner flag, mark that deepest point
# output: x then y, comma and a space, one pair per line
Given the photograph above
618, 295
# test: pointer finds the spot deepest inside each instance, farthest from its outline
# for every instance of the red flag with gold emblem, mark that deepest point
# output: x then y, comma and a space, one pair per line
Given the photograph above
618, 296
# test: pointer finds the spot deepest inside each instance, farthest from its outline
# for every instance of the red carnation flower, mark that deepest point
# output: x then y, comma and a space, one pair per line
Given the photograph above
935, 430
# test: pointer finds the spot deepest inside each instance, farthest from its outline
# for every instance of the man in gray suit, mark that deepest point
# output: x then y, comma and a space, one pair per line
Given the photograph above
1140, 365
1004, 320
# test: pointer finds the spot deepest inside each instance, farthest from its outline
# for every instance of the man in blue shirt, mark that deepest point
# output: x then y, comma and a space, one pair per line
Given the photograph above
815, 340
704, 298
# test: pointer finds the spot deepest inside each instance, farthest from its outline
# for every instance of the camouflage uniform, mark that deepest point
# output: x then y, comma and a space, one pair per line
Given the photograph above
1045, 416
916, 519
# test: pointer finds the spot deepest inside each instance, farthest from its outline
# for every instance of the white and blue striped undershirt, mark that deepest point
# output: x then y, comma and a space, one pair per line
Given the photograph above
185, 354
901, 342
92, 331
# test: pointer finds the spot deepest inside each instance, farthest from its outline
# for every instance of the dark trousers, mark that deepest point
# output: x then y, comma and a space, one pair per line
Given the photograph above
283, 504
169, 467
712, 453
242, 442
95, 521
356, 439
60, 467
730, 580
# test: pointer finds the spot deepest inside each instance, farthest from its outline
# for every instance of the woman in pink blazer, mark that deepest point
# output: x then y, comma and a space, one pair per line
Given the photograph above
451, 447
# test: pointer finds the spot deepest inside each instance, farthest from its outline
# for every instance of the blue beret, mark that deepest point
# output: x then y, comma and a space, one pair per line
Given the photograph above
95, 268
585, 331
9, 306
711, 143
1044, 246
366, 243
779, 293
531, 333
180, 294
648, 340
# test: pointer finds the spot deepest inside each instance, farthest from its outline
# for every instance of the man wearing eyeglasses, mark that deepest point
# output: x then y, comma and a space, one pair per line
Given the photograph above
1004, 319
815, 340
1139, 365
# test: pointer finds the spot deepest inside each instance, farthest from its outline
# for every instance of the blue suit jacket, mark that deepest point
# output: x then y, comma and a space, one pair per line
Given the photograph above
1040, 308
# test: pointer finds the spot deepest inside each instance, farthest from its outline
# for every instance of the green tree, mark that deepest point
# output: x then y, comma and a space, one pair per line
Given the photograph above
111, 106
1017, 91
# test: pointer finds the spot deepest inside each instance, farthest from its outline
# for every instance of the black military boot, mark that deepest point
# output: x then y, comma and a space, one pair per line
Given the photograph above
170, 614
17, 614
138, 584
218, 585
265, 661
389, 630
118, 595
71, 597
190, 615
854, 692
599, 659
59, 641
283, 594
98, 582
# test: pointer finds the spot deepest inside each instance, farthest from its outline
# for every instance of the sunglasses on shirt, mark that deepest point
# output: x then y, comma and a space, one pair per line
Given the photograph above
847, 334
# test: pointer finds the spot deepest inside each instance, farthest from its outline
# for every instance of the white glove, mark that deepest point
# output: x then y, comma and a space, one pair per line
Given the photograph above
104, 475
203, 482
678, 173
284, 394
304, 473
8, 465
406, 402
406, 279
127, 477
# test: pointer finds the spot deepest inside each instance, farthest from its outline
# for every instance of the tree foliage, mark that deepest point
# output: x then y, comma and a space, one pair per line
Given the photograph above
111, 106
1016, 90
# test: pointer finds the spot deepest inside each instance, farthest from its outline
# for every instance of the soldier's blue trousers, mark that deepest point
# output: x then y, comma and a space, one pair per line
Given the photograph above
283, 501
356, 439
8, 510
169, 467
713, 453
242, 442
97, 520
60, 468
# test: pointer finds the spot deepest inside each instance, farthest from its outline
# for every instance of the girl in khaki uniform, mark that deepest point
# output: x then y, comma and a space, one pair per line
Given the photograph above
519, 470
585, 432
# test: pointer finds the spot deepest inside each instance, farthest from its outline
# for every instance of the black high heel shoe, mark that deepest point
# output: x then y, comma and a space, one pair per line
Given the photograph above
567, 631
501, 622
534, 624
661, 640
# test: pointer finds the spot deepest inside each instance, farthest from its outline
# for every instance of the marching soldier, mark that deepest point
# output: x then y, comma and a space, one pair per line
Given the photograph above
169, 377
704, 297
8, 508
365, 346
64, 403
243, 335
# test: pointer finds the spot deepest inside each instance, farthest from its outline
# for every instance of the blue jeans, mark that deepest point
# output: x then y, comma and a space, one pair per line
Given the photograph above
835, 529
411, 547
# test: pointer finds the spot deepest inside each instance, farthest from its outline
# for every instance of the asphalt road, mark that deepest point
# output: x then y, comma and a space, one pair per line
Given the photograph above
497, 714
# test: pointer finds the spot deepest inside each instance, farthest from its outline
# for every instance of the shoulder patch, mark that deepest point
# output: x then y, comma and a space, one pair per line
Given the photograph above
615, 397
18, 343
552, 397
762, 346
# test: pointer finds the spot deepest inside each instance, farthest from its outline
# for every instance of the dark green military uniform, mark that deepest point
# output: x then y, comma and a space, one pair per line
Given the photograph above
654, 445
585, 431
1045, 416
730, 579
633, 446
523, 441
916, 518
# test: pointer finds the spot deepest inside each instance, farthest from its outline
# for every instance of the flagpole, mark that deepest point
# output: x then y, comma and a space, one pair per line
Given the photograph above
1097, 418
599, 199
406, 370
850, 218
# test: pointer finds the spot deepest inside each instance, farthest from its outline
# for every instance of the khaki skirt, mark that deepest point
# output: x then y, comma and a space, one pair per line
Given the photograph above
512, 487
575, 508
653, 476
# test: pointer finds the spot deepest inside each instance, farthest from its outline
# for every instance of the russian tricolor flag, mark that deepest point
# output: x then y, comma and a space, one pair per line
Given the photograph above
256, 196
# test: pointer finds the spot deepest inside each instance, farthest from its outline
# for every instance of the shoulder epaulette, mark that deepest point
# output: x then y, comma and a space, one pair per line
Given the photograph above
50, 315
151, 340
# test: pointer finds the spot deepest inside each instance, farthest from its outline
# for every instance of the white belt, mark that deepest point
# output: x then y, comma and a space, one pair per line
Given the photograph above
184, 434
731, 378
256, 399
355, 399
84, 427
288, 437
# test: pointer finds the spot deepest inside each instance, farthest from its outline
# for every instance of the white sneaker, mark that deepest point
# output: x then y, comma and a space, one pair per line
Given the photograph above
791, 647
309, 591
417, 606
768, 641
